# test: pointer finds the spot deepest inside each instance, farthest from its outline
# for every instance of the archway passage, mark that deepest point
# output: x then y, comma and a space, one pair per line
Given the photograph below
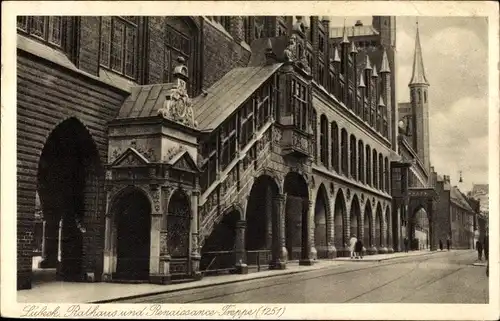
420, 231
217, 254
67, 177
339, 215
367, 237
320, 223
355, 218
133, 228
178, 225
297, 202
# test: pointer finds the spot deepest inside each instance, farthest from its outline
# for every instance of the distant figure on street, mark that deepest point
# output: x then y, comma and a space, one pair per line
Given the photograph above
440, 245
486, 248
352, 244
479, 248
448, 244
358, 249
406, 244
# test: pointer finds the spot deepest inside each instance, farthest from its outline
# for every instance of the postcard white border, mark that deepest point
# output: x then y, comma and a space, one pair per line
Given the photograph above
9, 305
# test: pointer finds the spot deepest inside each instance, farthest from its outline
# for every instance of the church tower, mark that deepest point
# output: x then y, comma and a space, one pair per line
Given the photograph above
419, 87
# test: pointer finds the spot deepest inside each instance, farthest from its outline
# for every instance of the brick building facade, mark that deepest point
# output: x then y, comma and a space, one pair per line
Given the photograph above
160, 147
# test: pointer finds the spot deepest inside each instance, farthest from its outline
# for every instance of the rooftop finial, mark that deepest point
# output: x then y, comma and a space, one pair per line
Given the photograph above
344, 39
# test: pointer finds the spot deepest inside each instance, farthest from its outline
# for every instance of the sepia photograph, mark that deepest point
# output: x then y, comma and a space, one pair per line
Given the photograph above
258, 160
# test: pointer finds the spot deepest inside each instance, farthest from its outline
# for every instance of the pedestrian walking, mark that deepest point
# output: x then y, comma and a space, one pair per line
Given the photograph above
406, 244
448, 244
352, 244
479, 248
440, 245
358, 248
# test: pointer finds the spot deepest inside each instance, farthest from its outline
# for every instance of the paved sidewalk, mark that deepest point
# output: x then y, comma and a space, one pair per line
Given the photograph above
78, 292
389, 256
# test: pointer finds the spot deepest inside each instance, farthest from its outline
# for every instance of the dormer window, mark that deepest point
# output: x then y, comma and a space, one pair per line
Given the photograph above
46, 28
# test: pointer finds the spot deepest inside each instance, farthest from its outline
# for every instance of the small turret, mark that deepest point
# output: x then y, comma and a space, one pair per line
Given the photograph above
384, 68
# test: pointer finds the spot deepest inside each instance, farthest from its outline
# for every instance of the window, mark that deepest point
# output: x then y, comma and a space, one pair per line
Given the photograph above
381, 172
353, 148
209, 164
344, 152
361, 166
46, 28
225, 21
335, 146
314, 122
247, 123
425, 96
368, 165
387, 175
119, 44
324, 141
375, 169
228, 142
300, 104
321, 44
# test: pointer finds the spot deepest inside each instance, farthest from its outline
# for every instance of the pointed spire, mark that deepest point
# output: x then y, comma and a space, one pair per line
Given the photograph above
353, 48
381, 102
418, 74
368, 65
361, 82
336, 56
385, 64
374, 72
344, 39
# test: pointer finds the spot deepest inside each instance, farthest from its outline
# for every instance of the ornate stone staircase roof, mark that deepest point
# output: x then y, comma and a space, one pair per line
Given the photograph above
228, 93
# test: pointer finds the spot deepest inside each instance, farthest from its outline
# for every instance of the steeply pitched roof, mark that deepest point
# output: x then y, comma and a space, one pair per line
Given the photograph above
228, 93
458, 198
144, 101
418, 74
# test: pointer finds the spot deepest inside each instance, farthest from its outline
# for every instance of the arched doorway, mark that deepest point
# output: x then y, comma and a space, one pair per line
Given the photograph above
355, 217
339, 215
67, 179
420, 230
297, 201
368, 223
178, 225
379, 238
217, 253
132, 216
320, 223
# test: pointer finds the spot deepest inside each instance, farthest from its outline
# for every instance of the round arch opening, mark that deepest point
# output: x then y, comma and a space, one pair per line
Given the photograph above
296, 209
367, 236
132, 216
69, 171
355, 218
320, 223
339, 217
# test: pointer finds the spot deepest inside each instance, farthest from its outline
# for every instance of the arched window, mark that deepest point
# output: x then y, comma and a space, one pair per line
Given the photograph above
387, 175
375, 168
344, 152
180, 40
314, 123
335, 146
419, 96
381, 172
353, 148
361, 166
368, 153
425, 96
324, 140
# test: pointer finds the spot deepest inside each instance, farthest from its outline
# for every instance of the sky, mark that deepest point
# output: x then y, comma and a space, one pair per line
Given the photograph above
455, 54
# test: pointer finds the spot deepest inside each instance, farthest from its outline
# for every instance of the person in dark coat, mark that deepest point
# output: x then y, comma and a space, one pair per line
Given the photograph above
406, 244
448, 244
358, 248
479, 248
440, 245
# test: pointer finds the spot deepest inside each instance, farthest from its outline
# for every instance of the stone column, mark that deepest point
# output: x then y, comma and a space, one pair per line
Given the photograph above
372, 248
108, 251
195, 251
239, 248
279, 252
307, 239
51, 243
331, 251
383, 231
159, 265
